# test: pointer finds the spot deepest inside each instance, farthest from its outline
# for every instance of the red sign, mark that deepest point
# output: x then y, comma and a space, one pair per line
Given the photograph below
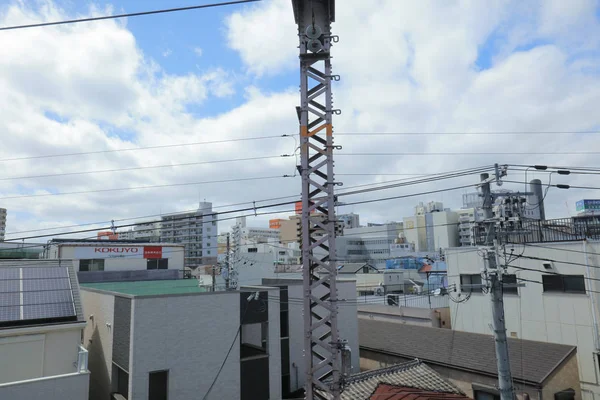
152, 252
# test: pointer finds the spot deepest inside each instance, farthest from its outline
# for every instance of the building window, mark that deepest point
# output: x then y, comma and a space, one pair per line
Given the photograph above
467, 282
91, 265
252, 250
158, 385
509, 279
564, 283
157, 263
485, 395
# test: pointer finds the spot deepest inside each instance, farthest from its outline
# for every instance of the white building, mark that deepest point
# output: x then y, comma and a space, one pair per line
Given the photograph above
349, 221
197, 231
432, 227
558, 304
367, 244
41, 323
172, 340
115, 260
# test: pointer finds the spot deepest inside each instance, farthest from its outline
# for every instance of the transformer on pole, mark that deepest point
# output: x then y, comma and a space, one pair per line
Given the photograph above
322, 346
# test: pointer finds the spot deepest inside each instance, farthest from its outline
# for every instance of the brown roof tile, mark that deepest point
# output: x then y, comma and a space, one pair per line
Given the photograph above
530, 361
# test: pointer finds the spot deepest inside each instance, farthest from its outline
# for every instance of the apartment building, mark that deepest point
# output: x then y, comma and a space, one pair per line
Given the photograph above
41, 323
197, 231
368, 244
557, 304
172, 339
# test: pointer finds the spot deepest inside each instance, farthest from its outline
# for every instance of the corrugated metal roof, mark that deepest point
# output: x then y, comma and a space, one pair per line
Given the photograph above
530, 361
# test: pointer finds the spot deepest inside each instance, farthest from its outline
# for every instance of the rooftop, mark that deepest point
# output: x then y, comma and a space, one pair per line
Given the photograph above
413, 374
463, 350
394, 392
149, 288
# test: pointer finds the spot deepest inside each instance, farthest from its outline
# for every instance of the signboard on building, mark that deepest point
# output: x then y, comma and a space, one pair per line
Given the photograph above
91, 252
108, 235
587, 205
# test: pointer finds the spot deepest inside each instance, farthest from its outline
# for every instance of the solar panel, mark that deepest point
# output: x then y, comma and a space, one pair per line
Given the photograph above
35, 293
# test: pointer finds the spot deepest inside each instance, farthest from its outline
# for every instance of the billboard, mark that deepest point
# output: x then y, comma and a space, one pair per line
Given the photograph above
588, 205
91, 252
108, 235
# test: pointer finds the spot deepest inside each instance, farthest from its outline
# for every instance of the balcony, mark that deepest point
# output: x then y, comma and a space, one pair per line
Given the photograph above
72, 386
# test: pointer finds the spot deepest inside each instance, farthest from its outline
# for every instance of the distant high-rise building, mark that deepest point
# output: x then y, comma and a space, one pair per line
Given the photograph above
2, 223
197, 231
349, 221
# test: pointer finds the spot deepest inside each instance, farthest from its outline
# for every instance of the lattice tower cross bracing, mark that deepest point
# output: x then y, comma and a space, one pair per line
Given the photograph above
322, 344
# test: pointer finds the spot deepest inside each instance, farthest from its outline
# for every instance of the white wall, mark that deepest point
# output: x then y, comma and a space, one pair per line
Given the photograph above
347, 326
175, 255
564, 318
415, 232
445, 231
63, 387
39, 353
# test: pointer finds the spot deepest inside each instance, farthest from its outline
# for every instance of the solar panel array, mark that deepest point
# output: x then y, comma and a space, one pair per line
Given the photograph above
35, 293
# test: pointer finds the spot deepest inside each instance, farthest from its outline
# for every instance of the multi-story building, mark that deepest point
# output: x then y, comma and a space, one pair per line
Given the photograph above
197, 231
118, 260
432, 227
172, 339
368, 244
2, 223
41, 323
557, 302
349, 221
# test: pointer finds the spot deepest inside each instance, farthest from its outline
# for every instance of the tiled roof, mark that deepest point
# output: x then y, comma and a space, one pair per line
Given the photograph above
530, 361
413, 374
393, 392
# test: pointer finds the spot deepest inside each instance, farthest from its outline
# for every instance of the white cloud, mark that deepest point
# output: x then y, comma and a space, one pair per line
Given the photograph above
405, 67
167, 53
198, 51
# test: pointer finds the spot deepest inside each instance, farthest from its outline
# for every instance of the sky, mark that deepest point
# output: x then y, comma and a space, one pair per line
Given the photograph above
411, 73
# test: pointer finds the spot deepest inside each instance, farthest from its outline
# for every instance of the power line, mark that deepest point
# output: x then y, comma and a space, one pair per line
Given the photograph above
146, 147
145, 167
447, 175
561, 186
136, 14
147, 187
474, 153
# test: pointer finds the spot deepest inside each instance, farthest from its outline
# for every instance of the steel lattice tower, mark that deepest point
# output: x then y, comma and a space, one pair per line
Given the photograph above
322, 345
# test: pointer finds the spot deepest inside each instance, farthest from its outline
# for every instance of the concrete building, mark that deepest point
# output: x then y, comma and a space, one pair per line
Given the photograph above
540, 370
349, 221
117, 260
132, 351
432, 228
430, 317
41, 323
369, 244
292, 328
2, 223
558, 304
289, 230
197, 231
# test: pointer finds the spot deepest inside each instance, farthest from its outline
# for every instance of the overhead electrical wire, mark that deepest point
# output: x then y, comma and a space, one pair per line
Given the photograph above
128, 15
144, 148
145, 167
448, 175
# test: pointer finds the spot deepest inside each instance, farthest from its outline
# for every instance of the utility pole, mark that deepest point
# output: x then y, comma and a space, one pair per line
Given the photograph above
322, 345
493, 274
213, 277
227, 264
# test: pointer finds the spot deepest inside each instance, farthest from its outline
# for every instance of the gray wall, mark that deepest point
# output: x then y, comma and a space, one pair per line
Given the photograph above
71, 387
98, 340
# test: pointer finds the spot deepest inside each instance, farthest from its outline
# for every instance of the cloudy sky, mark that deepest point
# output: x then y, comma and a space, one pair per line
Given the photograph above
419, 67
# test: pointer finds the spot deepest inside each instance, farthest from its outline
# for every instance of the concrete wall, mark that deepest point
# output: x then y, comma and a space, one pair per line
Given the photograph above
98, 340
415, 232
445, 229
274, 345
64, 387
347, 326
192, 345
533, 314
401, 315
566, 378
38, 354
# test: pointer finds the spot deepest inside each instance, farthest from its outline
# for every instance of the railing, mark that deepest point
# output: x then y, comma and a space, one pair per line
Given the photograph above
82, 360
407, 300
552, 230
